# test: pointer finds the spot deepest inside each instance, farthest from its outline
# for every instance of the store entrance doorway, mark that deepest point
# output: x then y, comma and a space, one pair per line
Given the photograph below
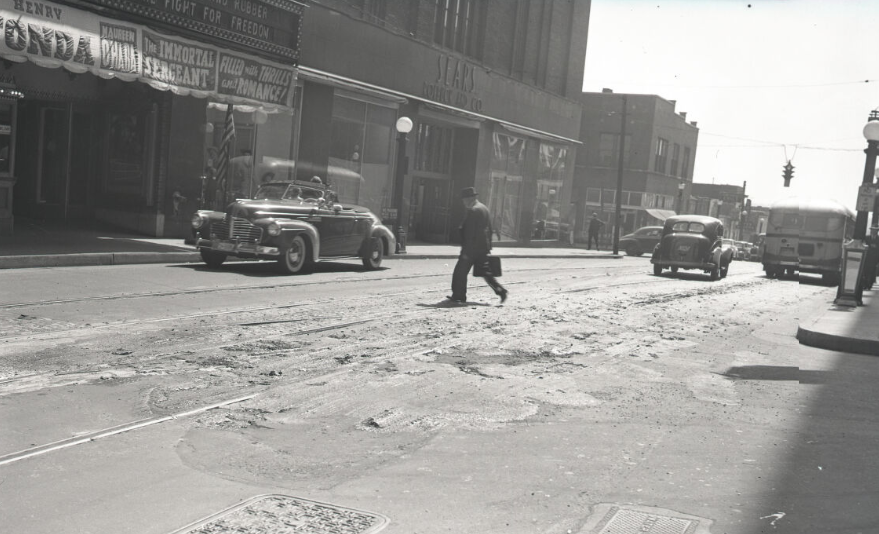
65, 161
429, 210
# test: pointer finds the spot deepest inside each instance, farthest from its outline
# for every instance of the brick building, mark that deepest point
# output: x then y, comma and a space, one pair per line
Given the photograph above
657, 169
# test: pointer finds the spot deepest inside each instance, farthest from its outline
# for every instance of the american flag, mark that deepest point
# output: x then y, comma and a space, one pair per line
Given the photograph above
225, 154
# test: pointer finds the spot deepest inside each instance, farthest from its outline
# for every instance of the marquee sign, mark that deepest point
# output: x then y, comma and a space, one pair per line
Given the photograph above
54, 35
271, 26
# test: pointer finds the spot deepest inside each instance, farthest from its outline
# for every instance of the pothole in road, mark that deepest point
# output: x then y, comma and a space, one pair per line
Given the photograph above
466, 361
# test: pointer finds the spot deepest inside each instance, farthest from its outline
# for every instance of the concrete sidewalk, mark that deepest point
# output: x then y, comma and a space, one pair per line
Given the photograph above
843, 329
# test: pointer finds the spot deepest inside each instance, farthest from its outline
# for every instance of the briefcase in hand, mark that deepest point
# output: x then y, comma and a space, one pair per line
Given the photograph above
490, 267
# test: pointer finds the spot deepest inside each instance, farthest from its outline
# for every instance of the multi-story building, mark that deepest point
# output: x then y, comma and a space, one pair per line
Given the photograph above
657, 163
132, 129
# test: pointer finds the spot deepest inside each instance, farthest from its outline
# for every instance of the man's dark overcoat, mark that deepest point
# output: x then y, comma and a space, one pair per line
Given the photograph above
476, 231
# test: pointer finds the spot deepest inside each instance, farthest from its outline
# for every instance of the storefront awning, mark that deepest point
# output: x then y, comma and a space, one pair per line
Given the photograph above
55, 35
661, 214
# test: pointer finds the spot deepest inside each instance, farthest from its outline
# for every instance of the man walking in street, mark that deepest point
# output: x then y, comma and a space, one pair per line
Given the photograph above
595, 225
475, 245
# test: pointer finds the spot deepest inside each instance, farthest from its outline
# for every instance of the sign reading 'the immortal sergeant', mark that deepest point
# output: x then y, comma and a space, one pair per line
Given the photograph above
254, 80
178, 63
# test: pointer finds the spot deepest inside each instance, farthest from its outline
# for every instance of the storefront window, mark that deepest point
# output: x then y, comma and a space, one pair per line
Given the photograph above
6, 125
359, 168
507, 162
260, 150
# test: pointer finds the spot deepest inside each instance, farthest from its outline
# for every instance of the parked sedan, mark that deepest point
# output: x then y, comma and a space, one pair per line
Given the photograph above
692, 242
641, 240
294, 223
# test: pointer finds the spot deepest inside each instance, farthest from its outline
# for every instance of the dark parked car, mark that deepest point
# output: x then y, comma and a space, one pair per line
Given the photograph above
692, 242
295, 223
641, 240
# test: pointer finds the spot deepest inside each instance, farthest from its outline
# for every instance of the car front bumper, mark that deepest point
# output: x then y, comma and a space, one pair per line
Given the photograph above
241, 249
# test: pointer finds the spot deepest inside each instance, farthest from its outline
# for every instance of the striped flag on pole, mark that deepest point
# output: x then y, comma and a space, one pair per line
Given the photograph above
226, 147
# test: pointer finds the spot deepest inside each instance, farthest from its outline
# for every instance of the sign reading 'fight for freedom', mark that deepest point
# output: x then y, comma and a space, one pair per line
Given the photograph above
54, 35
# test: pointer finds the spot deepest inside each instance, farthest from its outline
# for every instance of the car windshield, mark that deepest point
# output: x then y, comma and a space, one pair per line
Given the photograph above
691, 227
272, 191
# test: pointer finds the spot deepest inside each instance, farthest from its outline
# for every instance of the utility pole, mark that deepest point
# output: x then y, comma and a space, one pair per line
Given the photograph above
619, 195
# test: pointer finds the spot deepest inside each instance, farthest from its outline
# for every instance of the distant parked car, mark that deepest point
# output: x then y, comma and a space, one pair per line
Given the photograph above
641, 240
294, 223
692, 242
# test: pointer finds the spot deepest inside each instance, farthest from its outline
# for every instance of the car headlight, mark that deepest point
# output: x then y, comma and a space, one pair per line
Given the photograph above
197, 221
274, 229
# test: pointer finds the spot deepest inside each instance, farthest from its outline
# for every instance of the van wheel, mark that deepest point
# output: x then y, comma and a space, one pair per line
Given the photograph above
715, 273
674, 270
296, 258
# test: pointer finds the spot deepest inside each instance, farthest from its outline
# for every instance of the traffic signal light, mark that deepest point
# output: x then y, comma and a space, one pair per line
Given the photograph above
788, 173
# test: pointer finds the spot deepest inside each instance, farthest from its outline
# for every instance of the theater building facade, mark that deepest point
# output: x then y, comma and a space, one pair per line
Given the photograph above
115, 110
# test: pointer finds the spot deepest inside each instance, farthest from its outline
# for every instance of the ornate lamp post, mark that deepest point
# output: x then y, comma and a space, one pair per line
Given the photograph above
871, 133
404, 126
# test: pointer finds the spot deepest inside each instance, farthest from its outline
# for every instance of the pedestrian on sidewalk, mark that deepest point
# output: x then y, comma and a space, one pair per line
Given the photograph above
595, 225
476, 233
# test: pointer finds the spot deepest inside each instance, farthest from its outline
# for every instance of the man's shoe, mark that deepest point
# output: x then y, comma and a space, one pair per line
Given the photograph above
453, 299
503, 296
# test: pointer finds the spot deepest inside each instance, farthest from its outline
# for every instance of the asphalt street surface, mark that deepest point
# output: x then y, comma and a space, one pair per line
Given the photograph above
142, 398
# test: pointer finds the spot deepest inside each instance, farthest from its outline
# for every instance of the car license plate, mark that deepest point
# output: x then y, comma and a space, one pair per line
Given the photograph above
683, 249
788, 251
225, 247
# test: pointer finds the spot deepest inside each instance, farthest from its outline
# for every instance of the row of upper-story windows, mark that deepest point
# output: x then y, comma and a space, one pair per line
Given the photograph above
665, 153
632, 199
679, 166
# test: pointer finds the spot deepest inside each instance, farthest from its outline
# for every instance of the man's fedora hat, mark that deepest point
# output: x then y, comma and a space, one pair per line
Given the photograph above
468, 192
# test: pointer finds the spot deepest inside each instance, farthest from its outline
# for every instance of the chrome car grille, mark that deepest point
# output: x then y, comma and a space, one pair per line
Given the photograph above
237, 229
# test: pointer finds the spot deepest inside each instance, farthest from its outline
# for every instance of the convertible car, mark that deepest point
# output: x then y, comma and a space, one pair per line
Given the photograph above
294, 223
692, 242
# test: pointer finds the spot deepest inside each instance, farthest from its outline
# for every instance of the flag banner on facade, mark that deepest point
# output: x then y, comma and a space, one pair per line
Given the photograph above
223, 179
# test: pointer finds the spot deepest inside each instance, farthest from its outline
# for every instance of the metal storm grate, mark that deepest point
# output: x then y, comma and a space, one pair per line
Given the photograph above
282, 514
614, 519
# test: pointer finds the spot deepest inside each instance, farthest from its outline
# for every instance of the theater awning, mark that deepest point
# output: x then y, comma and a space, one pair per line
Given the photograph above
55, 35
660, 214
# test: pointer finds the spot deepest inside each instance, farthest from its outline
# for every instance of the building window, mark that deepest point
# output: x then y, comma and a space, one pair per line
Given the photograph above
360, 151
675, 156
608, 196
661, 161
433, 152
508, 154
685, 164
609, 150
593, 195
457, 25
635, 198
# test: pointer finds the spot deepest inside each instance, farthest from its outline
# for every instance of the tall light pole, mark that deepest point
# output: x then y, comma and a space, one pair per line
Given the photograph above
619, 196
404, 126
871, 133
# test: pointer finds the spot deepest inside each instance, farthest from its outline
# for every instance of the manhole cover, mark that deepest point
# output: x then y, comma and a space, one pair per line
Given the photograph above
616, 519
281, 514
